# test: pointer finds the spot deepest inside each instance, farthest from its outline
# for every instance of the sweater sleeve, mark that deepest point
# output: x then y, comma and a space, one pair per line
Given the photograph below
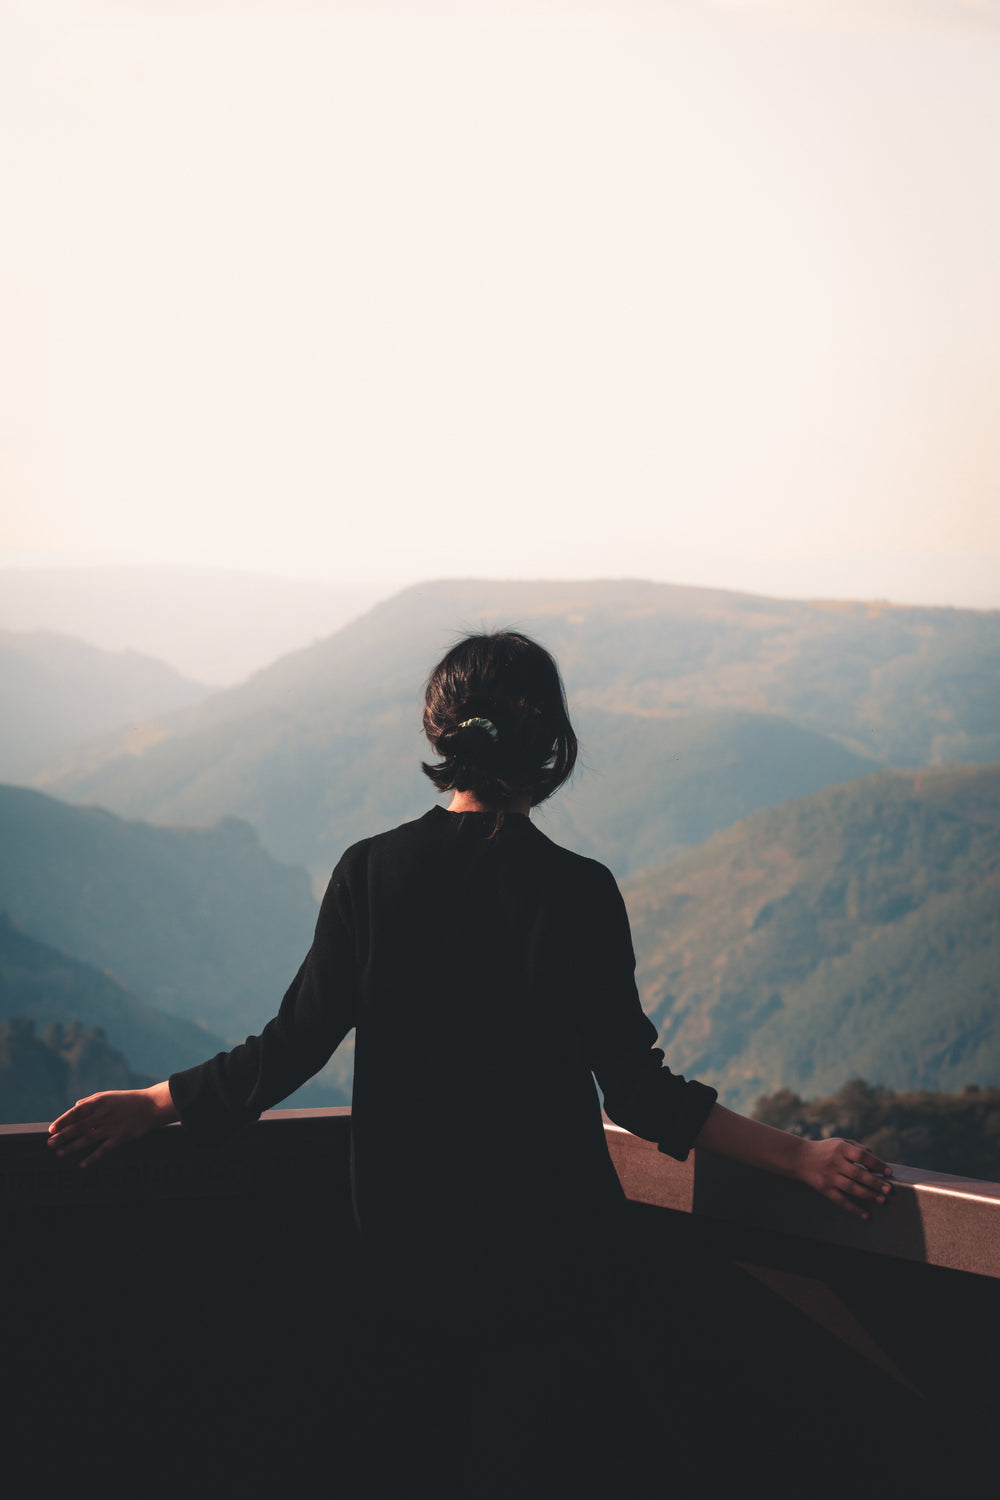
640, 1093
217, 1098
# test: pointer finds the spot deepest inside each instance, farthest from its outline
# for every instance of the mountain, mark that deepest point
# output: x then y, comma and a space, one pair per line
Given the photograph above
323, 747
853, 932
41, 984
40, 1077
213, 624
649, 788
201, 923
56, 692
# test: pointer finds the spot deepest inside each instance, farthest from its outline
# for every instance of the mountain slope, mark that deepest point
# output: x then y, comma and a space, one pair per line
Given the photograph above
323, 747
213, 624
852, 932
56, 692
44, 985
201, 923
649, 788
40, 1077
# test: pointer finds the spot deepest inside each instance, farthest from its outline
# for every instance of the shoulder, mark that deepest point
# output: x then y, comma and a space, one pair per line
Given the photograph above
347, 888
579, 870
408, 837
437, 830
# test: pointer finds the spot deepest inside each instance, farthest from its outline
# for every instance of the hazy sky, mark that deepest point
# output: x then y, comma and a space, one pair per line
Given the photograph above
691, 291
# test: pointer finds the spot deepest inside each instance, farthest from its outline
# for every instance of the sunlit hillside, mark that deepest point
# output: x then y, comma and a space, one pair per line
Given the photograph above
854, 932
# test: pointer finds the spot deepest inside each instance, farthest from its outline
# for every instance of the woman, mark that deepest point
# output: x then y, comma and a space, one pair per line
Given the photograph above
490, 976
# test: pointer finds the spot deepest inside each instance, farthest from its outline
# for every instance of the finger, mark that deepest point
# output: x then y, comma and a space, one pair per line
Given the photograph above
80, 1149
79, 1138
98, 1152
858, 1172
68, 1140
71, 1147
81, 1113
862, 1184
867, 1159
66, 1121
836, 1196
852, 1157
873, 1175
852, 1189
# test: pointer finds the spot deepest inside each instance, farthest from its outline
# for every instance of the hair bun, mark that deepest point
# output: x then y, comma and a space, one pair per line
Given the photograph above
473, 739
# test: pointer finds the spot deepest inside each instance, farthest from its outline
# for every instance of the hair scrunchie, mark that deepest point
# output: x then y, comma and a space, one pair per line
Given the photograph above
487, 724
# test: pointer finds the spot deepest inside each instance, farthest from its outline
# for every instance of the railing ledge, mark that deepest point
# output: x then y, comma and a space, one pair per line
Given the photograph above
930, 1218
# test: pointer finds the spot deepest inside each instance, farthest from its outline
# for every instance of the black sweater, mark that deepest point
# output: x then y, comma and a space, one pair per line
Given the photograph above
490, 974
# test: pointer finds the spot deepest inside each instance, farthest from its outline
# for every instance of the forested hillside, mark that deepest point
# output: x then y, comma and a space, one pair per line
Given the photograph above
958, 1133
854, 932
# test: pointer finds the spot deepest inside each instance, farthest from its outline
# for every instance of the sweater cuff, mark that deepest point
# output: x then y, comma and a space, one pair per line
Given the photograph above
696, 1105
200, 1110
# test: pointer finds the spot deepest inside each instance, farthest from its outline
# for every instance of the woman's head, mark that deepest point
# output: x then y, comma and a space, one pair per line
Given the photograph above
496, 714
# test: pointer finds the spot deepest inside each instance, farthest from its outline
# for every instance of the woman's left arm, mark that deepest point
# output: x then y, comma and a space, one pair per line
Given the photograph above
842, 1170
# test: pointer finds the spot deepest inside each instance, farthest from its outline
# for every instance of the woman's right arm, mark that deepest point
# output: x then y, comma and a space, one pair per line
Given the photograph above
101, 1122
218, 1097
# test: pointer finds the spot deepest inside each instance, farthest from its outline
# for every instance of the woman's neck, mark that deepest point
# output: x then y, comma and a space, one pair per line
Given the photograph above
462, 802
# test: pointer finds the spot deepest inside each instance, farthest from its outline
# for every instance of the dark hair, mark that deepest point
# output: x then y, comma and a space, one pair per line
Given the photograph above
513, 684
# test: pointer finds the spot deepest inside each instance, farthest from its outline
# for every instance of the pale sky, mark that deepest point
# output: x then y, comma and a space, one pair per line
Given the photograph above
688, 291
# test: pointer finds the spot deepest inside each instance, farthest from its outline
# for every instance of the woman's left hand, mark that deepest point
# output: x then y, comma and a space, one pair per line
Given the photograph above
101, 1122
845, 1172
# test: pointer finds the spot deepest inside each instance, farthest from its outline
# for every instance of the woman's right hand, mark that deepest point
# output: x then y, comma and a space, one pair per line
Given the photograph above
101, 1122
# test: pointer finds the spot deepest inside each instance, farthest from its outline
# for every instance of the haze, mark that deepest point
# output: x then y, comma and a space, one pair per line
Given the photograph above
695, 292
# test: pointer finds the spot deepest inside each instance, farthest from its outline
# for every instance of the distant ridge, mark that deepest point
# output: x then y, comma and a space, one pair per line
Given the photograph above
45, 985
201, 923
212, 624
851, 933
57, 692
323, 747
650, 787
